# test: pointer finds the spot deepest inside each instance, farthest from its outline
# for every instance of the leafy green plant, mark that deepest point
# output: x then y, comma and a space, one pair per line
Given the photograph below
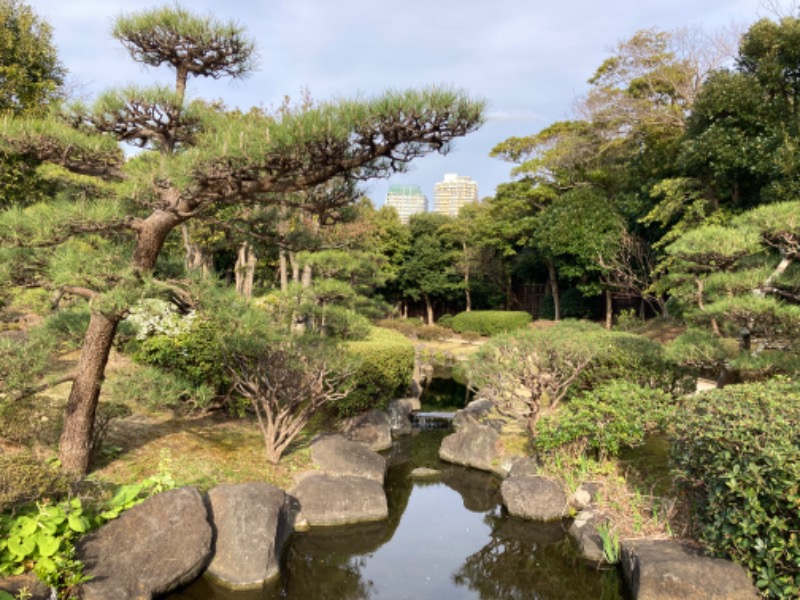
610, 539
628, 320
41, 536
490, 322
615, 415
737, 458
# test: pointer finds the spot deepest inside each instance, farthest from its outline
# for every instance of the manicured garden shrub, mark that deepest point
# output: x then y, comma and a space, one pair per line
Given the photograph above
196, 355
405, 326
490, 322
446, 321
432, 333
386, 365
615, 415
737, 456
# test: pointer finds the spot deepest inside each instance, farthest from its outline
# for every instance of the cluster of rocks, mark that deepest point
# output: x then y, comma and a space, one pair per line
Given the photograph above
653, 569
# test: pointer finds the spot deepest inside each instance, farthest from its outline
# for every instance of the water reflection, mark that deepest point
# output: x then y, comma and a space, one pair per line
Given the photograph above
445, 540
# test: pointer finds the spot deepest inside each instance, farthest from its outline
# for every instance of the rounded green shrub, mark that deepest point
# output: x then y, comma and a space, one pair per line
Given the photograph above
736, 453
490, 322
386, 365
615, 415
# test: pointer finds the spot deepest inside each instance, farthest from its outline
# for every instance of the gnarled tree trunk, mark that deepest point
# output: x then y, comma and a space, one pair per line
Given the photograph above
74, 448
76, 438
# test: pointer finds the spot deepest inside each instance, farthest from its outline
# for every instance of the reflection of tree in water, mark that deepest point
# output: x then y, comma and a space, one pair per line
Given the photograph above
335, 576
526, 561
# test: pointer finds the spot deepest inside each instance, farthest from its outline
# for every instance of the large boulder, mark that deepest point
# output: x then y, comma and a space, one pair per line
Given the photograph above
584, 531
253, 522
535, 498
151, 549
668, 570
327, 500
370, 429
336, 456
475, 446
399, 412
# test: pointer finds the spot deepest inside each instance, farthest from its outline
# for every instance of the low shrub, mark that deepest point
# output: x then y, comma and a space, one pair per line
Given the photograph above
446, 321
490, 322
386, 365
196, 355
615, 415
343, 323
156, 388
404, 326
470, 336
432, 333
737, 456
24, 478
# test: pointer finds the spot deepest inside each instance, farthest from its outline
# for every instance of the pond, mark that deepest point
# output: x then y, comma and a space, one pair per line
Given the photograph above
448, 538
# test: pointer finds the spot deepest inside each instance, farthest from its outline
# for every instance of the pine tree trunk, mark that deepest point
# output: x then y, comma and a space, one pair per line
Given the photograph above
307, 277
196, 260
245, 270
284, 269
295, 267
76, 437
428, 308
609, 309
74, 448
553, 278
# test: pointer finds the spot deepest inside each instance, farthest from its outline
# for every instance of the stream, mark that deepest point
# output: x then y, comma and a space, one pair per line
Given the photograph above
447, 538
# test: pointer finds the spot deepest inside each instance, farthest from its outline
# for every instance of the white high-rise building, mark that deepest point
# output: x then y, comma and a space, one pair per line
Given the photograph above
407, 199
453, 193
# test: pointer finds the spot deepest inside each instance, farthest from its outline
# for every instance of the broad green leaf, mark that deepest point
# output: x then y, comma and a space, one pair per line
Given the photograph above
20, 546
125, 495
5, 596
108, 515
44, 566
26, 526
48, 545
78, 523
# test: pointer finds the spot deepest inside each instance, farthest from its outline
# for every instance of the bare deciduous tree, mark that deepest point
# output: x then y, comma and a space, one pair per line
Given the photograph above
286, 385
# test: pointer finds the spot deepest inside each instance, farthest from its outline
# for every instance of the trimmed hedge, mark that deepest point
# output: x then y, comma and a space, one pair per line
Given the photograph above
490, 322
386, 366
737, 456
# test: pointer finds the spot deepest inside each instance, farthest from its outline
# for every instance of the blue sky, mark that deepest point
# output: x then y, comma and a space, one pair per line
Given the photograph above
529, 58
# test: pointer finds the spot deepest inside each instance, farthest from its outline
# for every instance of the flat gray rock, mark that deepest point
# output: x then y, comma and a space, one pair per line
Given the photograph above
370, 429
475, 446
668, 570
424, 473
327, 500
151, 549
252, 522
336, 456
534, 498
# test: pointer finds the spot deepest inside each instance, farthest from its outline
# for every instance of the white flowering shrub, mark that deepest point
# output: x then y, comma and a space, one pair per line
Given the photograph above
153, 316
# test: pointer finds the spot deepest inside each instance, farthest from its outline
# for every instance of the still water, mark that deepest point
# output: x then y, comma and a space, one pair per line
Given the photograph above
447, 539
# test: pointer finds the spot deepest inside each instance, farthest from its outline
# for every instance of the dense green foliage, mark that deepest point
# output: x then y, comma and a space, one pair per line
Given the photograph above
613, 416
737, 457
386, 365
41, 536
489, 322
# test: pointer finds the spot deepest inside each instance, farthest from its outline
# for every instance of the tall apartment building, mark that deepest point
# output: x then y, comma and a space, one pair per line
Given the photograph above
407, 199
453, 193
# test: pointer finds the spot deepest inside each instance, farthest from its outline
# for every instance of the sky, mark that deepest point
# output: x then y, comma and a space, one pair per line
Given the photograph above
530, 59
